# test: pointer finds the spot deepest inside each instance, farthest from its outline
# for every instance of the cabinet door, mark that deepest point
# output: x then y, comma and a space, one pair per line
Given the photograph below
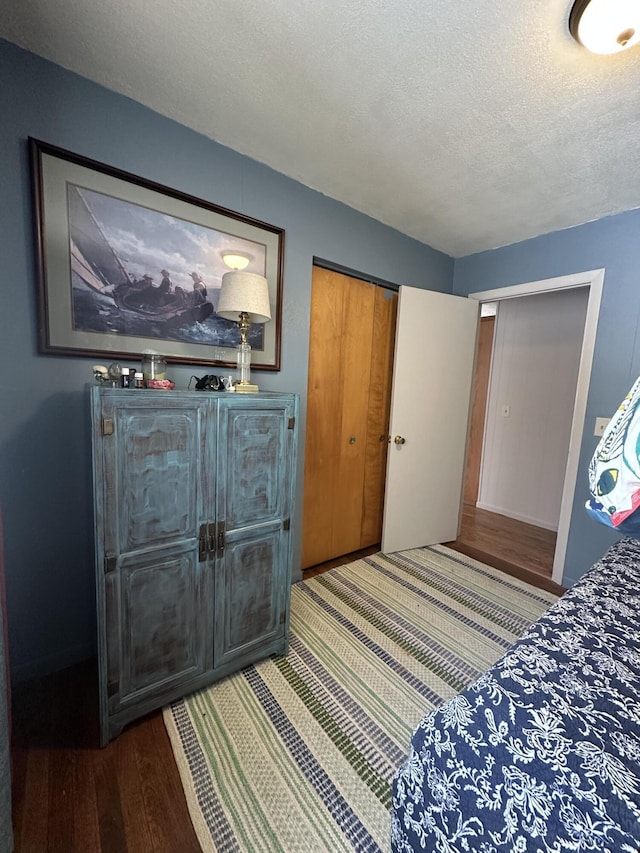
255, 459
155, 596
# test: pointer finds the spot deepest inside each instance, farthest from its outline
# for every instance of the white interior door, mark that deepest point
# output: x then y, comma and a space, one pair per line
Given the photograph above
432, 377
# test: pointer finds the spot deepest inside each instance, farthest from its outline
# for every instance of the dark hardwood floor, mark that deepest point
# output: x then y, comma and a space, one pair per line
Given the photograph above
514, 547
70, 796
312, 571
519, 549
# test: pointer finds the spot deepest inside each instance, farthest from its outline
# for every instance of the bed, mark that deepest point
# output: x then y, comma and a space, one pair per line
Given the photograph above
542, 753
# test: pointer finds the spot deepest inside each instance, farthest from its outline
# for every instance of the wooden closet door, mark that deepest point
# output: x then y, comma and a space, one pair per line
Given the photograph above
324, 405
350, 367
357, 340
375, 471
342, 310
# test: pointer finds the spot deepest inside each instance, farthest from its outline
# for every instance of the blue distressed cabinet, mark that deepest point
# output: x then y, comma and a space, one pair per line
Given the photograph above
193, 496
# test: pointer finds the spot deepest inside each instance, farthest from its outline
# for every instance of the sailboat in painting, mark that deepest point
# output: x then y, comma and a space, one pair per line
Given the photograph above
95, 263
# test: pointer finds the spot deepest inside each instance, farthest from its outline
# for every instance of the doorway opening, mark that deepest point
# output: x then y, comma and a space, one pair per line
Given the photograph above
496, 537
516, 515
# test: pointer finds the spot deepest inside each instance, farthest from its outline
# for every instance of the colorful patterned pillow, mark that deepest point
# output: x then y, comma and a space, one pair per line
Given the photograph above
614, 471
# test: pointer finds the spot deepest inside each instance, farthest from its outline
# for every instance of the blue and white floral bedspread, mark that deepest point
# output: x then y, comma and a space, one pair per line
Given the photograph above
542, 753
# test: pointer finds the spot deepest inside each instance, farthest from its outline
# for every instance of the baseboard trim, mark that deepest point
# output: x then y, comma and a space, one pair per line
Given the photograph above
527, 519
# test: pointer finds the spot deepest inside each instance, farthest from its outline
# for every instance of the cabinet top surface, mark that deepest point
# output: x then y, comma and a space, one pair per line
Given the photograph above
133, 393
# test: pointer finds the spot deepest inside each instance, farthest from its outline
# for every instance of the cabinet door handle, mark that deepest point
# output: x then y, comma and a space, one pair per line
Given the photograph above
211, 538
221, 543
352, 440
203, 543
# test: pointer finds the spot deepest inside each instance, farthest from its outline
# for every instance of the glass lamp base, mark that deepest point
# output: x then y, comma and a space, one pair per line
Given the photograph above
244, 385
243, 361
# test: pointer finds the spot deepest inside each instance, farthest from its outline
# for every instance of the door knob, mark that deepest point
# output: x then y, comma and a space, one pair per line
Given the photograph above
399, 440
352, 440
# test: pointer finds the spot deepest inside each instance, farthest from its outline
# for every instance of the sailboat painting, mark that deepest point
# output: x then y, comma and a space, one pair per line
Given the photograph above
136, 271
127, 265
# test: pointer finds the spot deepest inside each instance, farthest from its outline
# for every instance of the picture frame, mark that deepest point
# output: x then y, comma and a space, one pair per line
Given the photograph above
128, 266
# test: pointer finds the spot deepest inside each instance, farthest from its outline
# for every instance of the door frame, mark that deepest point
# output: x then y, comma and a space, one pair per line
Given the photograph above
593, 279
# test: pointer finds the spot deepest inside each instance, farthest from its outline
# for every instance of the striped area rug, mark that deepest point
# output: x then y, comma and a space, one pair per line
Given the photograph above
297, 754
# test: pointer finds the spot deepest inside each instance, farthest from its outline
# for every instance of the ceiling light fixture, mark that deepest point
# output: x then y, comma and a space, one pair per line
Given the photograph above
605, 26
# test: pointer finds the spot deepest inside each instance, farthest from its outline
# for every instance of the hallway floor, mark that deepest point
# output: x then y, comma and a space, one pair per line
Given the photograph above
515, 547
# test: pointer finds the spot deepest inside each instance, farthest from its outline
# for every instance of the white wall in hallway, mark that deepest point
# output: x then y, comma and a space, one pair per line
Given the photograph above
534, 370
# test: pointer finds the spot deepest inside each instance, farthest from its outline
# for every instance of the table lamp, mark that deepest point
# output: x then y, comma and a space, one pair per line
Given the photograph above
244, 297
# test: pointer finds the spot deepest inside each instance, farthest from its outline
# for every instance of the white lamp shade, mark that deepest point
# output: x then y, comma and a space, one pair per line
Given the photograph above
244, 291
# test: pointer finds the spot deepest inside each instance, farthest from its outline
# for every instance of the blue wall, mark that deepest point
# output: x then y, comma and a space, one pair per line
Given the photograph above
45, 477
613, 244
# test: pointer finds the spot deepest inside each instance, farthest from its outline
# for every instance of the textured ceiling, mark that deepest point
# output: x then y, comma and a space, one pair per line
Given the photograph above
467, 125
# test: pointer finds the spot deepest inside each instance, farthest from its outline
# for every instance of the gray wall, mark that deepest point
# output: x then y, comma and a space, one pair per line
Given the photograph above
45, 486
612, 243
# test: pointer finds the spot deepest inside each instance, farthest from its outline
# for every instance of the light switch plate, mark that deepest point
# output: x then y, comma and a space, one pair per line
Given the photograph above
601, 425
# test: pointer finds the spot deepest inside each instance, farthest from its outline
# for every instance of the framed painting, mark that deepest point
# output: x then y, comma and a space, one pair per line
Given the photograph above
127, 266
